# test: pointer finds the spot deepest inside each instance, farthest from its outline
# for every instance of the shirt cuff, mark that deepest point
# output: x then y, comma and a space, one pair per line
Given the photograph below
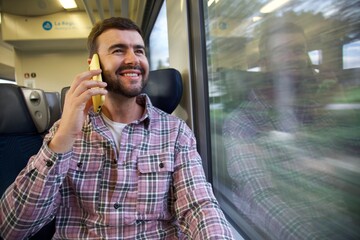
47, 161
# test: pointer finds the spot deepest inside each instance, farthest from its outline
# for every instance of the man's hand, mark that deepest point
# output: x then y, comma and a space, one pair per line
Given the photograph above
76, 106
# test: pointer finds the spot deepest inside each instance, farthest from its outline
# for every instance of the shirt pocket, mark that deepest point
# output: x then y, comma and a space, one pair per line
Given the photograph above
82, 183
155, 179
87, 161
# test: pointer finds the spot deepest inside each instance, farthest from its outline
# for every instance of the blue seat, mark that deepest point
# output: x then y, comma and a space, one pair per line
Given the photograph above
20, 136
62, 96
24, 118
165, 89
53, 99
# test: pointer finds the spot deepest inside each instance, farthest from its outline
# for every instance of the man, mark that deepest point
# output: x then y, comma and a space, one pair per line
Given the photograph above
279, 153
128, 172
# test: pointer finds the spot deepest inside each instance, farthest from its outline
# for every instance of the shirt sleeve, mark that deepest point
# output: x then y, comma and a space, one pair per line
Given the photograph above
31, 200
197, 209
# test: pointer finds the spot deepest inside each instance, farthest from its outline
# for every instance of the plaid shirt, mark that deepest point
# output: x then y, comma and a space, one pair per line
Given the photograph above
152, 188
284, 179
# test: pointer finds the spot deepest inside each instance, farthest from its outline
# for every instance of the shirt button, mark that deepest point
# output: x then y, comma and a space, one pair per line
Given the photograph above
49, 163
117, 205
79, 165
161, 165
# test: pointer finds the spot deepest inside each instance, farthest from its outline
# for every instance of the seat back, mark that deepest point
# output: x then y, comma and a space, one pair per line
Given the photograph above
15, 119
62, 96
53, 99
164, 88
19, 134
24, 117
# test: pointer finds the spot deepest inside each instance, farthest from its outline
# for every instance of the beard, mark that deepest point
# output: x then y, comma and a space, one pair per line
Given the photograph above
116, 86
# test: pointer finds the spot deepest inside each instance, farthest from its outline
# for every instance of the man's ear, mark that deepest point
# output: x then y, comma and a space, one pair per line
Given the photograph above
89, 61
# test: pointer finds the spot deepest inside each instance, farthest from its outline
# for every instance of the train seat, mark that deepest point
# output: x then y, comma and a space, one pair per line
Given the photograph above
63, 92
164, 88
24, 118
53, 99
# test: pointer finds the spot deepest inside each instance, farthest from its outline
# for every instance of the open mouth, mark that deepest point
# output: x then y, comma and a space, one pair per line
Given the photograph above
130, 74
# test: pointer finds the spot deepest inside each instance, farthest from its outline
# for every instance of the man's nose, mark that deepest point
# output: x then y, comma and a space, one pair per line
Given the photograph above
131, 58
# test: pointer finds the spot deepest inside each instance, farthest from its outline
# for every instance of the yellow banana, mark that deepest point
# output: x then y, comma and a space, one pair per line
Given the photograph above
97, 100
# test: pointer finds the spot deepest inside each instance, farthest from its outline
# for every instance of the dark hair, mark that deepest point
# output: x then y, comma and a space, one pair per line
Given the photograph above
275, 28
109, 23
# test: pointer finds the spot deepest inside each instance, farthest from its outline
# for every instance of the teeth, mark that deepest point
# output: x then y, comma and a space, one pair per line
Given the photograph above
130, 74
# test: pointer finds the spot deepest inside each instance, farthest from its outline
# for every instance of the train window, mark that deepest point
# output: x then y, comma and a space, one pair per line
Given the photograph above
351, 53
284, 95
7, 81
315, 57
158, 43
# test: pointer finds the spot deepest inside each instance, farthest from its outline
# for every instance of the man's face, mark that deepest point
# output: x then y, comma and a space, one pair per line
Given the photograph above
287, 54
123, 61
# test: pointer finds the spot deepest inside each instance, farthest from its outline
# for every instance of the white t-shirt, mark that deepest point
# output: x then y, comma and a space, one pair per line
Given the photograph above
115, 128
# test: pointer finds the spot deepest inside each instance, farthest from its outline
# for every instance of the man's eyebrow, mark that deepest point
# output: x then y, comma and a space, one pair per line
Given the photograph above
123, 46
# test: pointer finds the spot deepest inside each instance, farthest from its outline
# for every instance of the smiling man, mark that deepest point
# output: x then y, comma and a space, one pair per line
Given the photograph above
130, 171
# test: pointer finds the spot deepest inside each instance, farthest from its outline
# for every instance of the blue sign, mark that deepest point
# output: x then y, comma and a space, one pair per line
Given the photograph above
47, 25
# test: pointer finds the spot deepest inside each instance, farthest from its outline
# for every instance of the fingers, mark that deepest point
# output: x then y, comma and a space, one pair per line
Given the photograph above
89, 87
83, 87
76, 107
84, 78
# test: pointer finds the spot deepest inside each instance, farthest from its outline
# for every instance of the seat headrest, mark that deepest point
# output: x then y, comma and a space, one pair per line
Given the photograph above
23, 110
14, 115
165, 88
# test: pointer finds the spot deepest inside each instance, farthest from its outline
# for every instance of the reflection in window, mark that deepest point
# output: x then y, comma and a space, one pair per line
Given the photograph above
254, 69
284, 101
351, 53
158, 43
315, 57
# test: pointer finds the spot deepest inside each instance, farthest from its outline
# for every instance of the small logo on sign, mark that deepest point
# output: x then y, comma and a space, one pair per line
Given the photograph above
47, 25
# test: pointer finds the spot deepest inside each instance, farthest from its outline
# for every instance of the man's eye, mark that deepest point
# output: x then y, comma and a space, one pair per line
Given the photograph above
139, 51
118, 51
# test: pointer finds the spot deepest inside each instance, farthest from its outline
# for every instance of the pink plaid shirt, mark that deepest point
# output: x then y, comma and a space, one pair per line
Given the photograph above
152, 188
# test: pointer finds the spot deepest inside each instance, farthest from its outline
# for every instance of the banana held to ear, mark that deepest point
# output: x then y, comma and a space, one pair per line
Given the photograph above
97, 100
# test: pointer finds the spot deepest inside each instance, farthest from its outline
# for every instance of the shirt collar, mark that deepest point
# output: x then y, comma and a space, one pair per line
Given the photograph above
150, 113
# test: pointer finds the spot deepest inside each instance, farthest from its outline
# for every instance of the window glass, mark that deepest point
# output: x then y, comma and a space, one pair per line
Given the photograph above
284, 94
7, 81
158, 43
351, 53
315, 57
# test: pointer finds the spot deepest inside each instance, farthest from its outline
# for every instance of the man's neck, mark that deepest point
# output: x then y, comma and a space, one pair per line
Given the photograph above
122, 109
